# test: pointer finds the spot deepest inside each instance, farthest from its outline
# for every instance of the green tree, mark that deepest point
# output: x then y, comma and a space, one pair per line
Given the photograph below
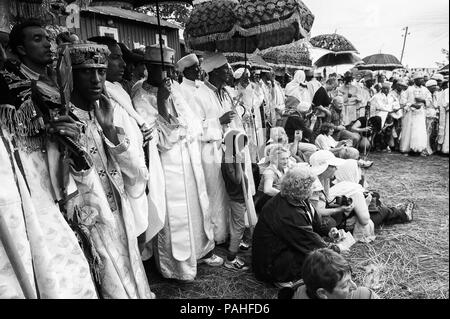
173, 12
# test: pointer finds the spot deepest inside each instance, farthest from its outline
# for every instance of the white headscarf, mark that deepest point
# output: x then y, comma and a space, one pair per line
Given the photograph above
297, 88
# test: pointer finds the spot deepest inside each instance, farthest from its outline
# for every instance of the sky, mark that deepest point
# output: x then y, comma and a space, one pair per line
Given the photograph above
376, 26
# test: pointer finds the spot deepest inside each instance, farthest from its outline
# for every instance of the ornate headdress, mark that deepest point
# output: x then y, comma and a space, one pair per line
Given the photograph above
87, 55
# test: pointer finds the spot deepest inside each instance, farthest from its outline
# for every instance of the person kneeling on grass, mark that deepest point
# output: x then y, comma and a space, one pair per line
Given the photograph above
327, 275
233, 175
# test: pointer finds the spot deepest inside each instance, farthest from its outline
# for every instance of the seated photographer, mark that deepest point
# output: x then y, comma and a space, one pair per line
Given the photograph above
327, 275
324, 164
347, 205
286, 231
380, 214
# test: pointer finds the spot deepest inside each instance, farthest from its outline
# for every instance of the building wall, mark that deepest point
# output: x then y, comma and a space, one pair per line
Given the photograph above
129, 31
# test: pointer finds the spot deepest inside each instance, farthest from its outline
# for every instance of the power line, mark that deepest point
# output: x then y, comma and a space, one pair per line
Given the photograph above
404, 42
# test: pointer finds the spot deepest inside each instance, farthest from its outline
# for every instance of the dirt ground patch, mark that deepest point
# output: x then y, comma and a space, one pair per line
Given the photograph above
406, 261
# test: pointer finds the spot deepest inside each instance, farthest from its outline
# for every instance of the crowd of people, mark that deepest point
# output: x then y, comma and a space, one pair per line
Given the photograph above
113, 157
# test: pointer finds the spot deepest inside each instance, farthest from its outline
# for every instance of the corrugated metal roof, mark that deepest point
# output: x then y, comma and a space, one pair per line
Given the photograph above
129, 15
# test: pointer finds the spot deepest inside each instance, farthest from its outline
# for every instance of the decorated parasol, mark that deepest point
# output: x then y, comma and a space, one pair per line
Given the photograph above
333, 42
254, 61
295, 55
210, 24
380, 61
268, 23
341, 50
244, 26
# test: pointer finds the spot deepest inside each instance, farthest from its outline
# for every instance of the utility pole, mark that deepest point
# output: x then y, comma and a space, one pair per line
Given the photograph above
404, 42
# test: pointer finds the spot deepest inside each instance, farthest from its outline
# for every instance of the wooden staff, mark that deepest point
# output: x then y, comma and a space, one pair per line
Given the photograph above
14, 259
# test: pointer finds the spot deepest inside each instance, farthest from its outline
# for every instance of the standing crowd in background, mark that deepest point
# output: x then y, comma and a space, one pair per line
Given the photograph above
126, 157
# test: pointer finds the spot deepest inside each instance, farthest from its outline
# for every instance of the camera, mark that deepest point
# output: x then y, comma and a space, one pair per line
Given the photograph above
343, 201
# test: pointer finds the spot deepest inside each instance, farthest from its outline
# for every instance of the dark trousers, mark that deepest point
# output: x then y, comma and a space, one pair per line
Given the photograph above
384, 215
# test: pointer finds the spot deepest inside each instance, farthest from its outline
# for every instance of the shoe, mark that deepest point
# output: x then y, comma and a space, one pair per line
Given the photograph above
289, 284
236, 264
213, 261
244, 246
388, 149
409, 211
365, 164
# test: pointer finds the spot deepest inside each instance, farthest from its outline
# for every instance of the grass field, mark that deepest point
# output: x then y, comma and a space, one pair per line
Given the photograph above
406, 261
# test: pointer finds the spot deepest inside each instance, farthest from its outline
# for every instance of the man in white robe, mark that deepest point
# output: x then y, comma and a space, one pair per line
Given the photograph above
414, 130
186, 237
104, 208
216, 109
132, 124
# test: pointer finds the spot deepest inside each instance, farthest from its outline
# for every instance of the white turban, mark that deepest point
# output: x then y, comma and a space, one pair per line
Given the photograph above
438, 77
187, 61
213, 61
431, 83
240, 72
417, 75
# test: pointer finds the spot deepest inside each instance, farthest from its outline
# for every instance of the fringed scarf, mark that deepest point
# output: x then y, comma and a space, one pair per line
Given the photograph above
18, 114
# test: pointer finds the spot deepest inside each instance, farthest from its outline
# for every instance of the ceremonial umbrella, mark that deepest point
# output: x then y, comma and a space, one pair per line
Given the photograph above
210, 24
342, 51
380, 61
246, 25
295, 55
333, 42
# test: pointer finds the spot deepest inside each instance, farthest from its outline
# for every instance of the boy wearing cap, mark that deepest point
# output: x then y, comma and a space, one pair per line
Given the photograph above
233, 168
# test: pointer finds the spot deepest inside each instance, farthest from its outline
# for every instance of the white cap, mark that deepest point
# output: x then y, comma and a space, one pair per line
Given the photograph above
417, 75
321, 159
213, 61
187, 61
239, 72
431, 83
437, 77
